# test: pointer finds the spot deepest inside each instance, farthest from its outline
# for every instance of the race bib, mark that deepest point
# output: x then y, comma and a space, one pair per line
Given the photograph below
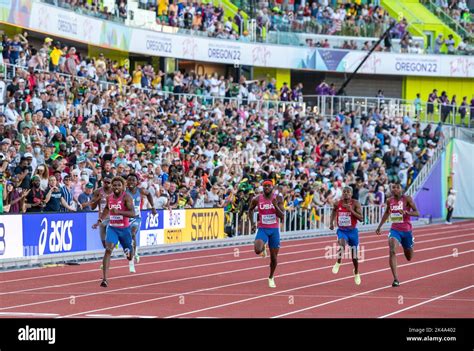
269, 219
344, 220
396, 217
137, 211
114, 219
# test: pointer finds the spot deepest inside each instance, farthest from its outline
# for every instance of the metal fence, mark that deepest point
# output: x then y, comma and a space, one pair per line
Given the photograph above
330, 105
325, 105
11, 71
426, 170
298, 220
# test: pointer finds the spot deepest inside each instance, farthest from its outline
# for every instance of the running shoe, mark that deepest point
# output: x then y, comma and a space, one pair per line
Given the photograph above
357, 278
271, 283
264, 252
131, 266
395, 283
126, 251
335, 268
137, 258
104, 283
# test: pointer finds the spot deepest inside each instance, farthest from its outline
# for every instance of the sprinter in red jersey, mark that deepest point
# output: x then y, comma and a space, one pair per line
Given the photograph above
347, 212
399, 208
119, 209
270, 212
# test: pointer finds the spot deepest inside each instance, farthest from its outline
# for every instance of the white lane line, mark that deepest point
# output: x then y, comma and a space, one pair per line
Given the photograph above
370, 291
215, 274
219, 274
25, 314
118, 316
306, 286
255, 258
230, 252
440, 231
255, 280
425, 302
237, 294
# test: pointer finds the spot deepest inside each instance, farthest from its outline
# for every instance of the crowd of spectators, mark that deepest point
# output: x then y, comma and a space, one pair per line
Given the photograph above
323, 17
62, 136
58, 58
318, 18
189, 15
458, 10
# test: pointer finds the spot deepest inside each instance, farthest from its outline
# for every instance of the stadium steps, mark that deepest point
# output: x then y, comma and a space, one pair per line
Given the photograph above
421, 21
448, 20
425, 172
229, 11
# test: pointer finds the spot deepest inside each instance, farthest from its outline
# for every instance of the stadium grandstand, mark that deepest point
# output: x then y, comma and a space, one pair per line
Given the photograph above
208, 104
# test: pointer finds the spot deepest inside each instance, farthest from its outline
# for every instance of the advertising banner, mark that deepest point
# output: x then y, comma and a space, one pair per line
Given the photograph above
205, 224
68, 24
40, 234
55, 233
428, 200
173, 236
175, 219
11, 236
92, 235
462, 179
151, 230
174, 224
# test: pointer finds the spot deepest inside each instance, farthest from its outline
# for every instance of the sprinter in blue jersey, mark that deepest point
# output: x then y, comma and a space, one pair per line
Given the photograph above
136, 193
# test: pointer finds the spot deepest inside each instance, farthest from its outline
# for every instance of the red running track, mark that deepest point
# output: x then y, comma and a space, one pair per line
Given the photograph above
231, 283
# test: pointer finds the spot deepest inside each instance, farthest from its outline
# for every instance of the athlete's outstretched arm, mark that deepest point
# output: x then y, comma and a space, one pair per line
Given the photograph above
278, 204
357, 211
252, 206
94, 201
146, 193
412, 205
333, 217
384, 217
102, 216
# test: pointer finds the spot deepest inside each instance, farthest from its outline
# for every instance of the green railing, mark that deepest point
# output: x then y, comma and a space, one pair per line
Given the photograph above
458, 28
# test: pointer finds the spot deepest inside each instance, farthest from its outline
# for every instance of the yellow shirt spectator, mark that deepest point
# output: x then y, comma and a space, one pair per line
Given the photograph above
162, 6
189, 135
307, 201
352, 11
156, 81
137, 77
55, 56
121, 81
140, 147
